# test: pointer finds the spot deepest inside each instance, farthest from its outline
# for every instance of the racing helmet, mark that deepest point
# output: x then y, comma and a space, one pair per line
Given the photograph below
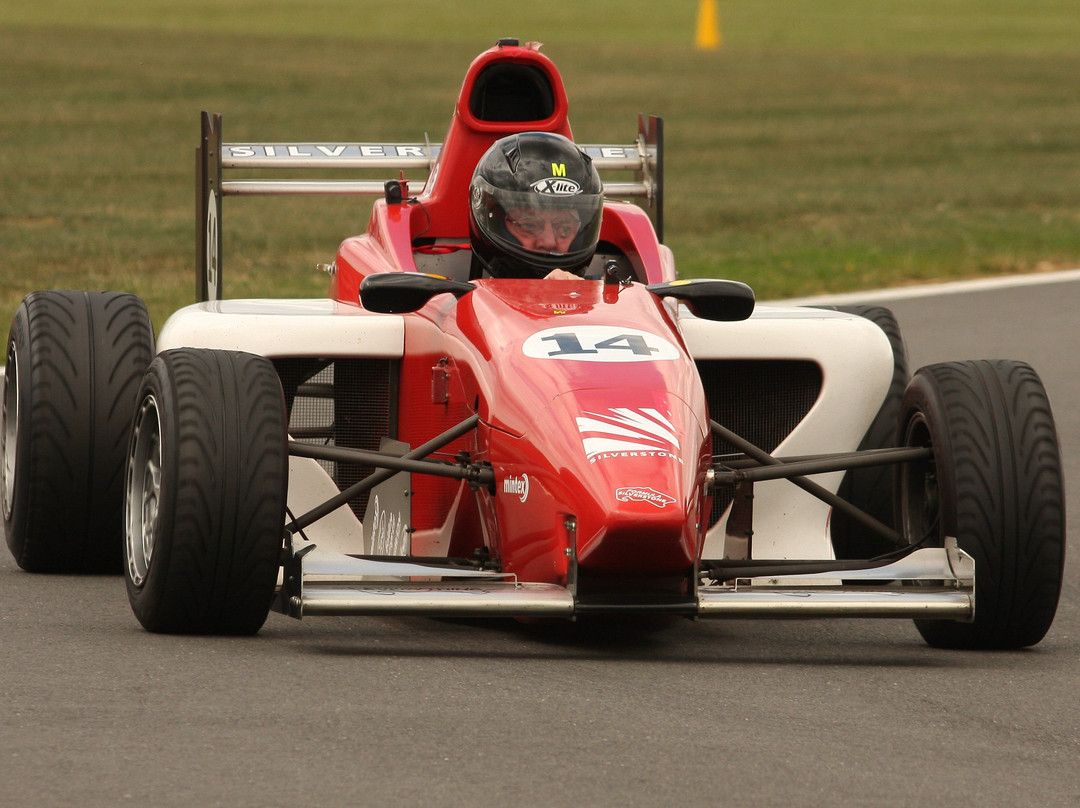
535, 205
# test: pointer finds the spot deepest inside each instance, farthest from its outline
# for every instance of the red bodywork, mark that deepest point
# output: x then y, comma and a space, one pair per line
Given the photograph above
592, 413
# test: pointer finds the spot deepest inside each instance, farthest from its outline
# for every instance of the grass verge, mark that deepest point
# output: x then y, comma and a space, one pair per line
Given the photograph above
796, 165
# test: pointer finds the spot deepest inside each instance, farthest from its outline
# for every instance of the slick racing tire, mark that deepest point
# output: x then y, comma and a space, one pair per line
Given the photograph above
73, 368
871, 489
995, 483
205, 497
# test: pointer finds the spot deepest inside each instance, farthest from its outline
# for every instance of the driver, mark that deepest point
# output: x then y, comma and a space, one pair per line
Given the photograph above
534, 209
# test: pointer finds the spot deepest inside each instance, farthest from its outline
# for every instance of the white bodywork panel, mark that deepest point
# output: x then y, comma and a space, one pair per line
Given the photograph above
856, 362
309, 487
285, 328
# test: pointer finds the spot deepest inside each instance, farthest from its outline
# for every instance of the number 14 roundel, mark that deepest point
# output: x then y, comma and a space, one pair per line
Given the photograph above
599, 343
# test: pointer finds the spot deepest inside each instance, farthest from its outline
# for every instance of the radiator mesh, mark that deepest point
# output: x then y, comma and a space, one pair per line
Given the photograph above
762, 401
339, 402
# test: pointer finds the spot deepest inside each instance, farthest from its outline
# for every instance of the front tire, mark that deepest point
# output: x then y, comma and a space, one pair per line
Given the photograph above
995, 483
206, 488
73, 367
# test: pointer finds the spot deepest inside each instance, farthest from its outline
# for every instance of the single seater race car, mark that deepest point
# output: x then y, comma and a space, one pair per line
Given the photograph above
430, 441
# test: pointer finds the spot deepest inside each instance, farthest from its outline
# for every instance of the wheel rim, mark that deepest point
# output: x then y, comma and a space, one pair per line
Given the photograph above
919, 499
142, 491
11, 429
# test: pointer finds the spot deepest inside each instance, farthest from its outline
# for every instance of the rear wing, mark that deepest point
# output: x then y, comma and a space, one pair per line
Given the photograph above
642, 159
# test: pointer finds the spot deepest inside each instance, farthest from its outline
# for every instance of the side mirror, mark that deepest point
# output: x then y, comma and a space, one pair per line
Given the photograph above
402, 292
728, 301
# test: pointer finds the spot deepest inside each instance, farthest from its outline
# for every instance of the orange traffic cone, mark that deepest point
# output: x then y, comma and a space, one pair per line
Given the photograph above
708, 26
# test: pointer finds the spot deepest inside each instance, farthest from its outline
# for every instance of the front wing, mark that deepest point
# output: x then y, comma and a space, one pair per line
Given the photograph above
927, 583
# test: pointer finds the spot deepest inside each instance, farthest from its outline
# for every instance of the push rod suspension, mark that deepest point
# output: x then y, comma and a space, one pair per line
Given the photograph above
338, 455
753, 471
812, 488
369, 482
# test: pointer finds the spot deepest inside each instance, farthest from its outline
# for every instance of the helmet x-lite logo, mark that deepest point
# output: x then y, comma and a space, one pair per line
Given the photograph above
557, 185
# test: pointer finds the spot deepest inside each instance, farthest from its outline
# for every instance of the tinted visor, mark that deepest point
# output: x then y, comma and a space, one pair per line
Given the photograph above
537, 225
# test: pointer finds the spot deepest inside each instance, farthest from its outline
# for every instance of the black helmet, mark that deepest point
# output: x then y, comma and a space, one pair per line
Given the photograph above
535, 205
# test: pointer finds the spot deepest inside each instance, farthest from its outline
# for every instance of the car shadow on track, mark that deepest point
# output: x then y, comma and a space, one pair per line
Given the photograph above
846, 644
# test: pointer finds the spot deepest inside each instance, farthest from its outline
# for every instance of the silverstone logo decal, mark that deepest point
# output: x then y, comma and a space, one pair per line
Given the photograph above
328, 151
624, 432
599, 343
517, 487
644, 494
331, 152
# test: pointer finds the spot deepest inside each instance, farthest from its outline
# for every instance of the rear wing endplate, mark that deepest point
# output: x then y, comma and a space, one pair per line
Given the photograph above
643, 158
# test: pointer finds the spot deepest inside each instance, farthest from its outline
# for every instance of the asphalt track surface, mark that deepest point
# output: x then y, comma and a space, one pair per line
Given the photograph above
418, 712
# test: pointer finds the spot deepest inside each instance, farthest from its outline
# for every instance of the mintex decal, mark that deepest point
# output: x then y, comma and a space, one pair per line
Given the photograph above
626, 432
599, 343
517, 487
640, 493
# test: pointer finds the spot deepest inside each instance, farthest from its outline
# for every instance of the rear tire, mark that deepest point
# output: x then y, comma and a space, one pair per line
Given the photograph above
206, 489
995, 483
73, 367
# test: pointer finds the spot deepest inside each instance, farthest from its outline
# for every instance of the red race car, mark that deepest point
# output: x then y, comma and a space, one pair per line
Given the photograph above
509, 405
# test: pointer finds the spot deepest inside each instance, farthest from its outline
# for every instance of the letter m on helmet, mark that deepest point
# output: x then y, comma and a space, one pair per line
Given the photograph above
558, 169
